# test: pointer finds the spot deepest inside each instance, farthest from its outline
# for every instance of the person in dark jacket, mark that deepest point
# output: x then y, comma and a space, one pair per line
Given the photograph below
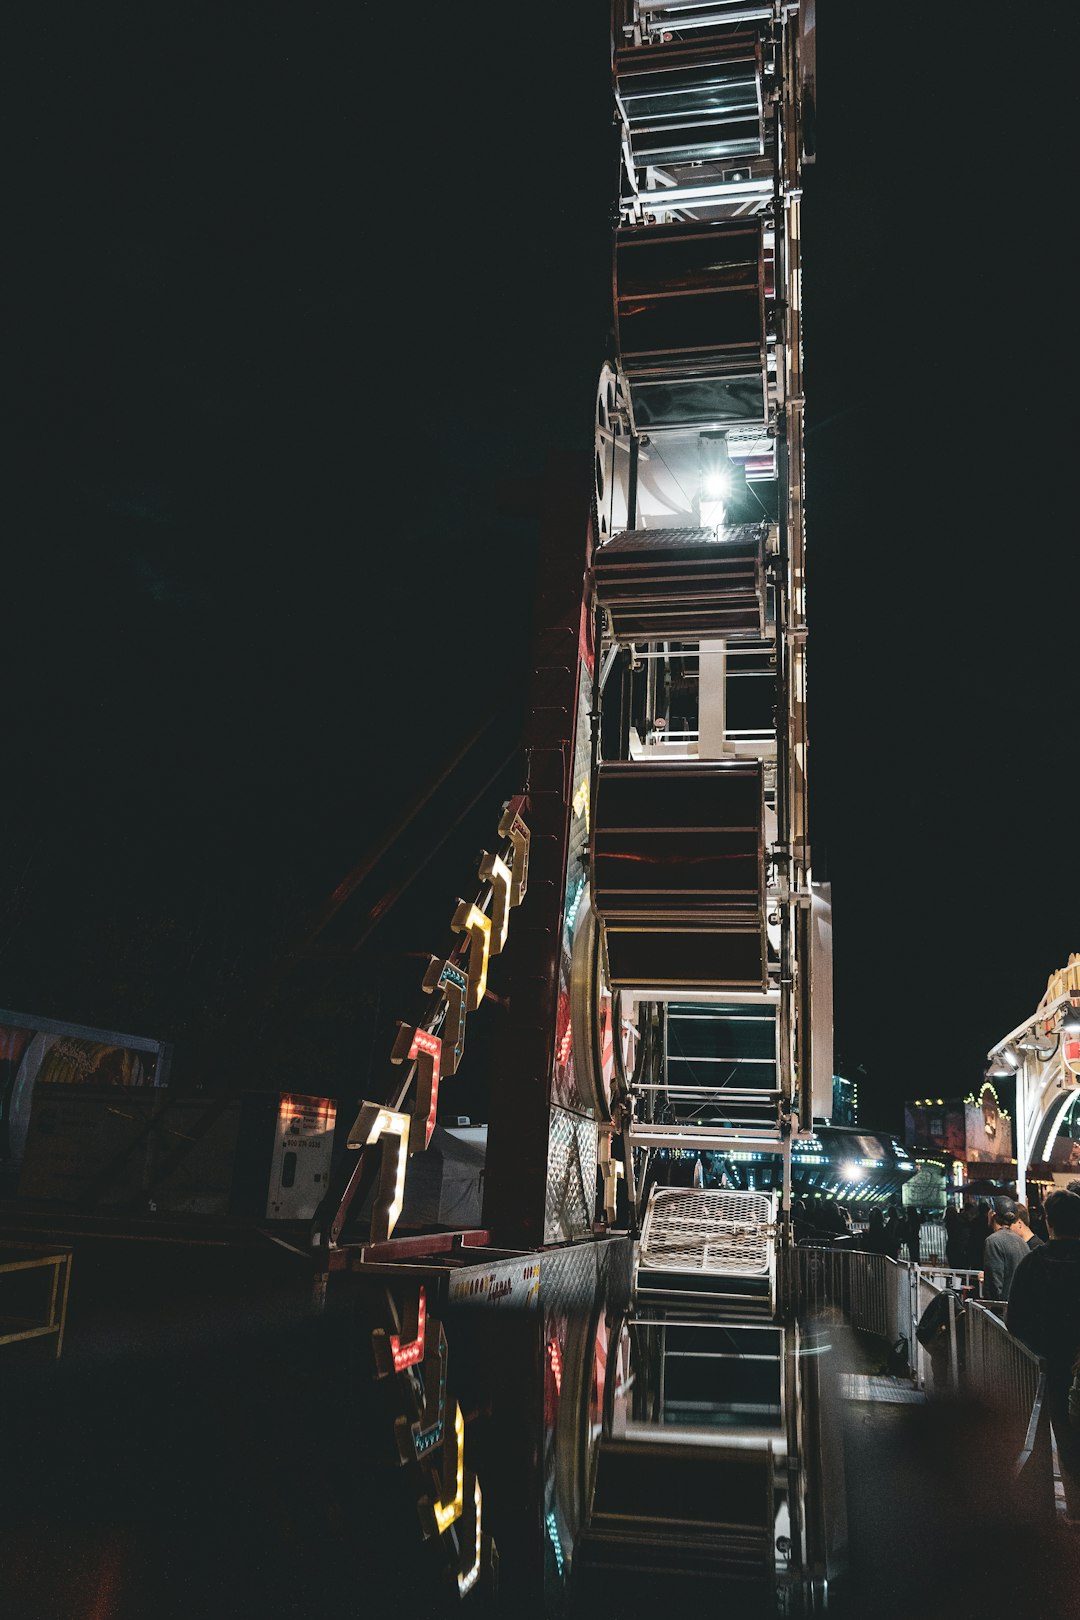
875, 1233
1044, 1311
1003, 1251
912, 1234
894, 1232
955, 1238
978, 1233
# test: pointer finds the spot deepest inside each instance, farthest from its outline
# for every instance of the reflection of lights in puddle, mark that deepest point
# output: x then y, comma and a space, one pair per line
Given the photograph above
553, 1532
467, 1581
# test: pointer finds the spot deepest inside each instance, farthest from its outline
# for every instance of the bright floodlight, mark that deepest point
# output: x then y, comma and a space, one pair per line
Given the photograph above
716, 485
849, 1171
1005, 1062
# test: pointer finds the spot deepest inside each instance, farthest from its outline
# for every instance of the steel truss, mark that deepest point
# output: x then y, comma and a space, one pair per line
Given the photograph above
700, 862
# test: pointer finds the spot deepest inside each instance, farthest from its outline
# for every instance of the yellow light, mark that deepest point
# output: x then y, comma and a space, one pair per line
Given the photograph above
580, 802
513, 827
495, 871
472, 921
467, 1581
447, 1512
611, 1169
373, 1122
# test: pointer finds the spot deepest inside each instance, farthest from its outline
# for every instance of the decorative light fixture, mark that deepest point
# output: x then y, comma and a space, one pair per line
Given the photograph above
1045, 1052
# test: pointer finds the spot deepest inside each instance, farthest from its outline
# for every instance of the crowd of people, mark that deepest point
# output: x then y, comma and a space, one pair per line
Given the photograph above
990, 1235
891, 1232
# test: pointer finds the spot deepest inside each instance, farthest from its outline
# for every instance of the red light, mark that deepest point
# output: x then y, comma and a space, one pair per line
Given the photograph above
407, 1355
555, 1359
413, 1043
564, 1029
432, 1045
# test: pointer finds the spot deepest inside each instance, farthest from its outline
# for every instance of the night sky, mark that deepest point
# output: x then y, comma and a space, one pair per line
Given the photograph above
309, 295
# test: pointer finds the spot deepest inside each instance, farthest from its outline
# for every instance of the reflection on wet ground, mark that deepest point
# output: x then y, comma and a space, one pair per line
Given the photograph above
244, 1457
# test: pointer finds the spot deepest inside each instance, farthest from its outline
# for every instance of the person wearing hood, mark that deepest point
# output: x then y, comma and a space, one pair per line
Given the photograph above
1044, 1311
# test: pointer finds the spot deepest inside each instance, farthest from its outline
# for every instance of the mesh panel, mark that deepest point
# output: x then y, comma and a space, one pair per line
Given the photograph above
722, 1233
571, 1180
677, 540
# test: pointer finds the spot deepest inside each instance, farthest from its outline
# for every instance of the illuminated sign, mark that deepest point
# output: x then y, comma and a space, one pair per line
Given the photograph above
416, 1355
427, 1050
434, 1055
471, 1538
469, 919
396, 1351
447, 1506
424, 1438
374, 1124
495, 871
454, 985
418, 1435
512, 826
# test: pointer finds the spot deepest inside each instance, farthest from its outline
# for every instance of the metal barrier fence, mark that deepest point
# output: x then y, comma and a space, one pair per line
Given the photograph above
974, 1355
929, 1371
998, 1368
1004, 1374
933, 1238
862, 1286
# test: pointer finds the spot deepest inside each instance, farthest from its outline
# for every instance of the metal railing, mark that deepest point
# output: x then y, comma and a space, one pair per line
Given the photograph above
860, 1285
998, 1368
1005, 1375
984, 1361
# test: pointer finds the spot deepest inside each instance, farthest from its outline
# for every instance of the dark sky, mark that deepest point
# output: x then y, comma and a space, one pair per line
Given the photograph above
309, 297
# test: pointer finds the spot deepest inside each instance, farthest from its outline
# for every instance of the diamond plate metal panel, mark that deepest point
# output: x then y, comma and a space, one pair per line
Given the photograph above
649, 540
571, 1180
567, 1088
